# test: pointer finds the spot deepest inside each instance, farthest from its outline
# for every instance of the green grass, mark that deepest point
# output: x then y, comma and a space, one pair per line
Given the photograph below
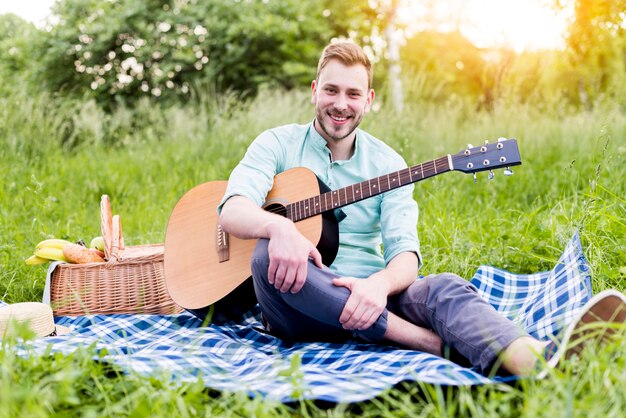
60, 156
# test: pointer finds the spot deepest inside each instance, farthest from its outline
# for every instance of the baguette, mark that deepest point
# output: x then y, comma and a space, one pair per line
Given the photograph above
78, 254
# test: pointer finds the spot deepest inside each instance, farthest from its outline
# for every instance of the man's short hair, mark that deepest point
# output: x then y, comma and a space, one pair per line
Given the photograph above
348, 54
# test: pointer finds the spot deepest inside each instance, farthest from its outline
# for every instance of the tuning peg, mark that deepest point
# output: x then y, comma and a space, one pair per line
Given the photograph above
501, 139
508, 172
469, 146
475, 179
491, 175
486, 141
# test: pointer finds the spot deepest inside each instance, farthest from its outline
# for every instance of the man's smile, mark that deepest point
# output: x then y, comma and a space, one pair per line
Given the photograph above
338, 119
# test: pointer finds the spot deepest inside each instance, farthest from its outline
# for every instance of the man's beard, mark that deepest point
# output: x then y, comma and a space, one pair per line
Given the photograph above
329, 132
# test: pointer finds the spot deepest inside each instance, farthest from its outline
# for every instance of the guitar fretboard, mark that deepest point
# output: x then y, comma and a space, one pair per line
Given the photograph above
350, 194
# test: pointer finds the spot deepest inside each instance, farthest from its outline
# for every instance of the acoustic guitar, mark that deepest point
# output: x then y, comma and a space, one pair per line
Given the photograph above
207, 271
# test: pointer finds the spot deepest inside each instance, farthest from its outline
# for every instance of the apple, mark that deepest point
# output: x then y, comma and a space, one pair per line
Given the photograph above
97, 243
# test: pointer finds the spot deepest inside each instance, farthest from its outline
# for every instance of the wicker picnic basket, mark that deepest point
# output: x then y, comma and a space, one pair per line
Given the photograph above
131, 281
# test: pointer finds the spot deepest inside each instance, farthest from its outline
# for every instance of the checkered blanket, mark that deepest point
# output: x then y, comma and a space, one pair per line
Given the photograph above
241, 357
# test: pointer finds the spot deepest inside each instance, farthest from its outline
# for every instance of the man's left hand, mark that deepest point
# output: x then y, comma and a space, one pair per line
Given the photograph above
368, 298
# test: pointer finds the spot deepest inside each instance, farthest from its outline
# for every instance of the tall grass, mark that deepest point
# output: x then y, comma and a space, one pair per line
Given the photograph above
59, 156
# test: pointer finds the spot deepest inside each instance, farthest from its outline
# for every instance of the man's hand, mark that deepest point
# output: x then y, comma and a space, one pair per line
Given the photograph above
288, 249
289, 252
368, 298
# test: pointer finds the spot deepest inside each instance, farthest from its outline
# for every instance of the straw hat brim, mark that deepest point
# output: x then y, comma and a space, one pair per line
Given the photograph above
39, 317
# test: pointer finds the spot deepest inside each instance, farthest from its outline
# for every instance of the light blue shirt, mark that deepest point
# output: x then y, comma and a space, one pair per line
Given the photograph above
375, 230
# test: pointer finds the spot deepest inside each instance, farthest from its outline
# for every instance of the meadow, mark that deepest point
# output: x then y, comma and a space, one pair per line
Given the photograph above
59, 156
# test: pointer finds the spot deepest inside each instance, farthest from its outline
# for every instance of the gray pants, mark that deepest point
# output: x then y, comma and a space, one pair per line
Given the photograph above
444, 303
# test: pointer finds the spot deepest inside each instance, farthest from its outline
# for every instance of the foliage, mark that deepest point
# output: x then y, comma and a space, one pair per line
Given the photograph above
597, 45
15, 48
453, 65
124, 50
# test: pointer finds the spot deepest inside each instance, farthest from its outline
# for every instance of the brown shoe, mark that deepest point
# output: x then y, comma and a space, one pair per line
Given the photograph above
597, 321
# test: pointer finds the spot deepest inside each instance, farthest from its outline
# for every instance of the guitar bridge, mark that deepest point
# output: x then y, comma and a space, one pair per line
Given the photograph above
221, 244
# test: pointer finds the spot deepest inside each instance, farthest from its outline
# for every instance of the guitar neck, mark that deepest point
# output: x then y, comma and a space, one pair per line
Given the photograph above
334, 199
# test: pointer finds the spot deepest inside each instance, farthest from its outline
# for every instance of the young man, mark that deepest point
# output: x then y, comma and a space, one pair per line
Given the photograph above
365, 293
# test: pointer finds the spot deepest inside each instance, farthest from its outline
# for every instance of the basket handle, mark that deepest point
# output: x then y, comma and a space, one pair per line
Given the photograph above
106, 224
111, 227
115, 237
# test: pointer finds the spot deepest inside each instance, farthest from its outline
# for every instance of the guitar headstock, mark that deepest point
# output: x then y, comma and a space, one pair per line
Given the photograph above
503, 153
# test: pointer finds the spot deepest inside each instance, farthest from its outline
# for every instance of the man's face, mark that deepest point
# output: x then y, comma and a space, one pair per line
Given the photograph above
341, 98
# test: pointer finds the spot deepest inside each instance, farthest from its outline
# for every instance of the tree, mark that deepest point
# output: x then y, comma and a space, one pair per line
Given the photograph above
596, 42
15, 50
452, 65
162, 48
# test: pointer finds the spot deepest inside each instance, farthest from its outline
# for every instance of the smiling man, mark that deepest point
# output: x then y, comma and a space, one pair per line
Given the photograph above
341, 97
370, 291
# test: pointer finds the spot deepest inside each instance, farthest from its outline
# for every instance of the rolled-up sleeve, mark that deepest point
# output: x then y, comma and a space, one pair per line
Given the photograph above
253, 177
399, 213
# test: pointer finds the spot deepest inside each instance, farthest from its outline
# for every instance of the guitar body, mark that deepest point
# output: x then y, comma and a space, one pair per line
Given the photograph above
195, 276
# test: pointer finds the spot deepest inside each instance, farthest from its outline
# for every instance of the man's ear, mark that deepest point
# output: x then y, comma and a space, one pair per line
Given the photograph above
370, 100
313, 91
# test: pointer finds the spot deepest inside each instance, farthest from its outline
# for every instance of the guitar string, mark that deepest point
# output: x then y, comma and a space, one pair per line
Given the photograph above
404, 174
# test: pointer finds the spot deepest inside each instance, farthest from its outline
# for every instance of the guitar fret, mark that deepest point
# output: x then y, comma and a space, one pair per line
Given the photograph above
288, 212
299, 210
355, 192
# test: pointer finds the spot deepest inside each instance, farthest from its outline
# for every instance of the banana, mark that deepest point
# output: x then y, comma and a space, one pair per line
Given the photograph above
50, 253
53, 243
33, 260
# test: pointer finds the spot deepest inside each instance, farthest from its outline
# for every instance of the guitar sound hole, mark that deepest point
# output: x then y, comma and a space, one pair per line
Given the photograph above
276, 208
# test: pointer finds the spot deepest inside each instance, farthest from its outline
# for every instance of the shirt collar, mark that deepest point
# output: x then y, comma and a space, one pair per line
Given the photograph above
320, 143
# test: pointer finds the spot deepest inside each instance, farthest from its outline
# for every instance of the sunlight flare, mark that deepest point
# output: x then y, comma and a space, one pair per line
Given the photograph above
520, 25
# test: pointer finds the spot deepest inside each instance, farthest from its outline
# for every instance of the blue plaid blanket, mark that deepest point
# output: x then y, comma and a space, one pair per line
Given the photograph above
240, 357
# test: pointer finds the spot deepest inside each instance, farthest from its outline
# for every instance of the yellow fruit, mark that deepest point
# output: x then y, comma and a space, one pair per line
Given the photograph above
97, 243
33, 260
53, 243
50, 253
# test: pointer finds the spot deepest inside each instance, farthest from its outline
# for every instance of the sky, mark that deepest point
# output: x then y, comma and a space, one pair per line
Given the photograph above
520, 24
34, 11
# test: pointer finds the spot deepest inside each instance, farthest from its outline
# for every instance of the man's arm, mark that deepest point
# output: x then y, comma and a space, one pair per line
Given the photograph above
368, 297
288, 249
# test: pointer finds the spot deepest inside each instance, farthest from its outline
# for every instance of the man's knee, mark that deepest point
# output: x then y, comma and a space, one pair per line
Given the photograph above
445, 281
448, 287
